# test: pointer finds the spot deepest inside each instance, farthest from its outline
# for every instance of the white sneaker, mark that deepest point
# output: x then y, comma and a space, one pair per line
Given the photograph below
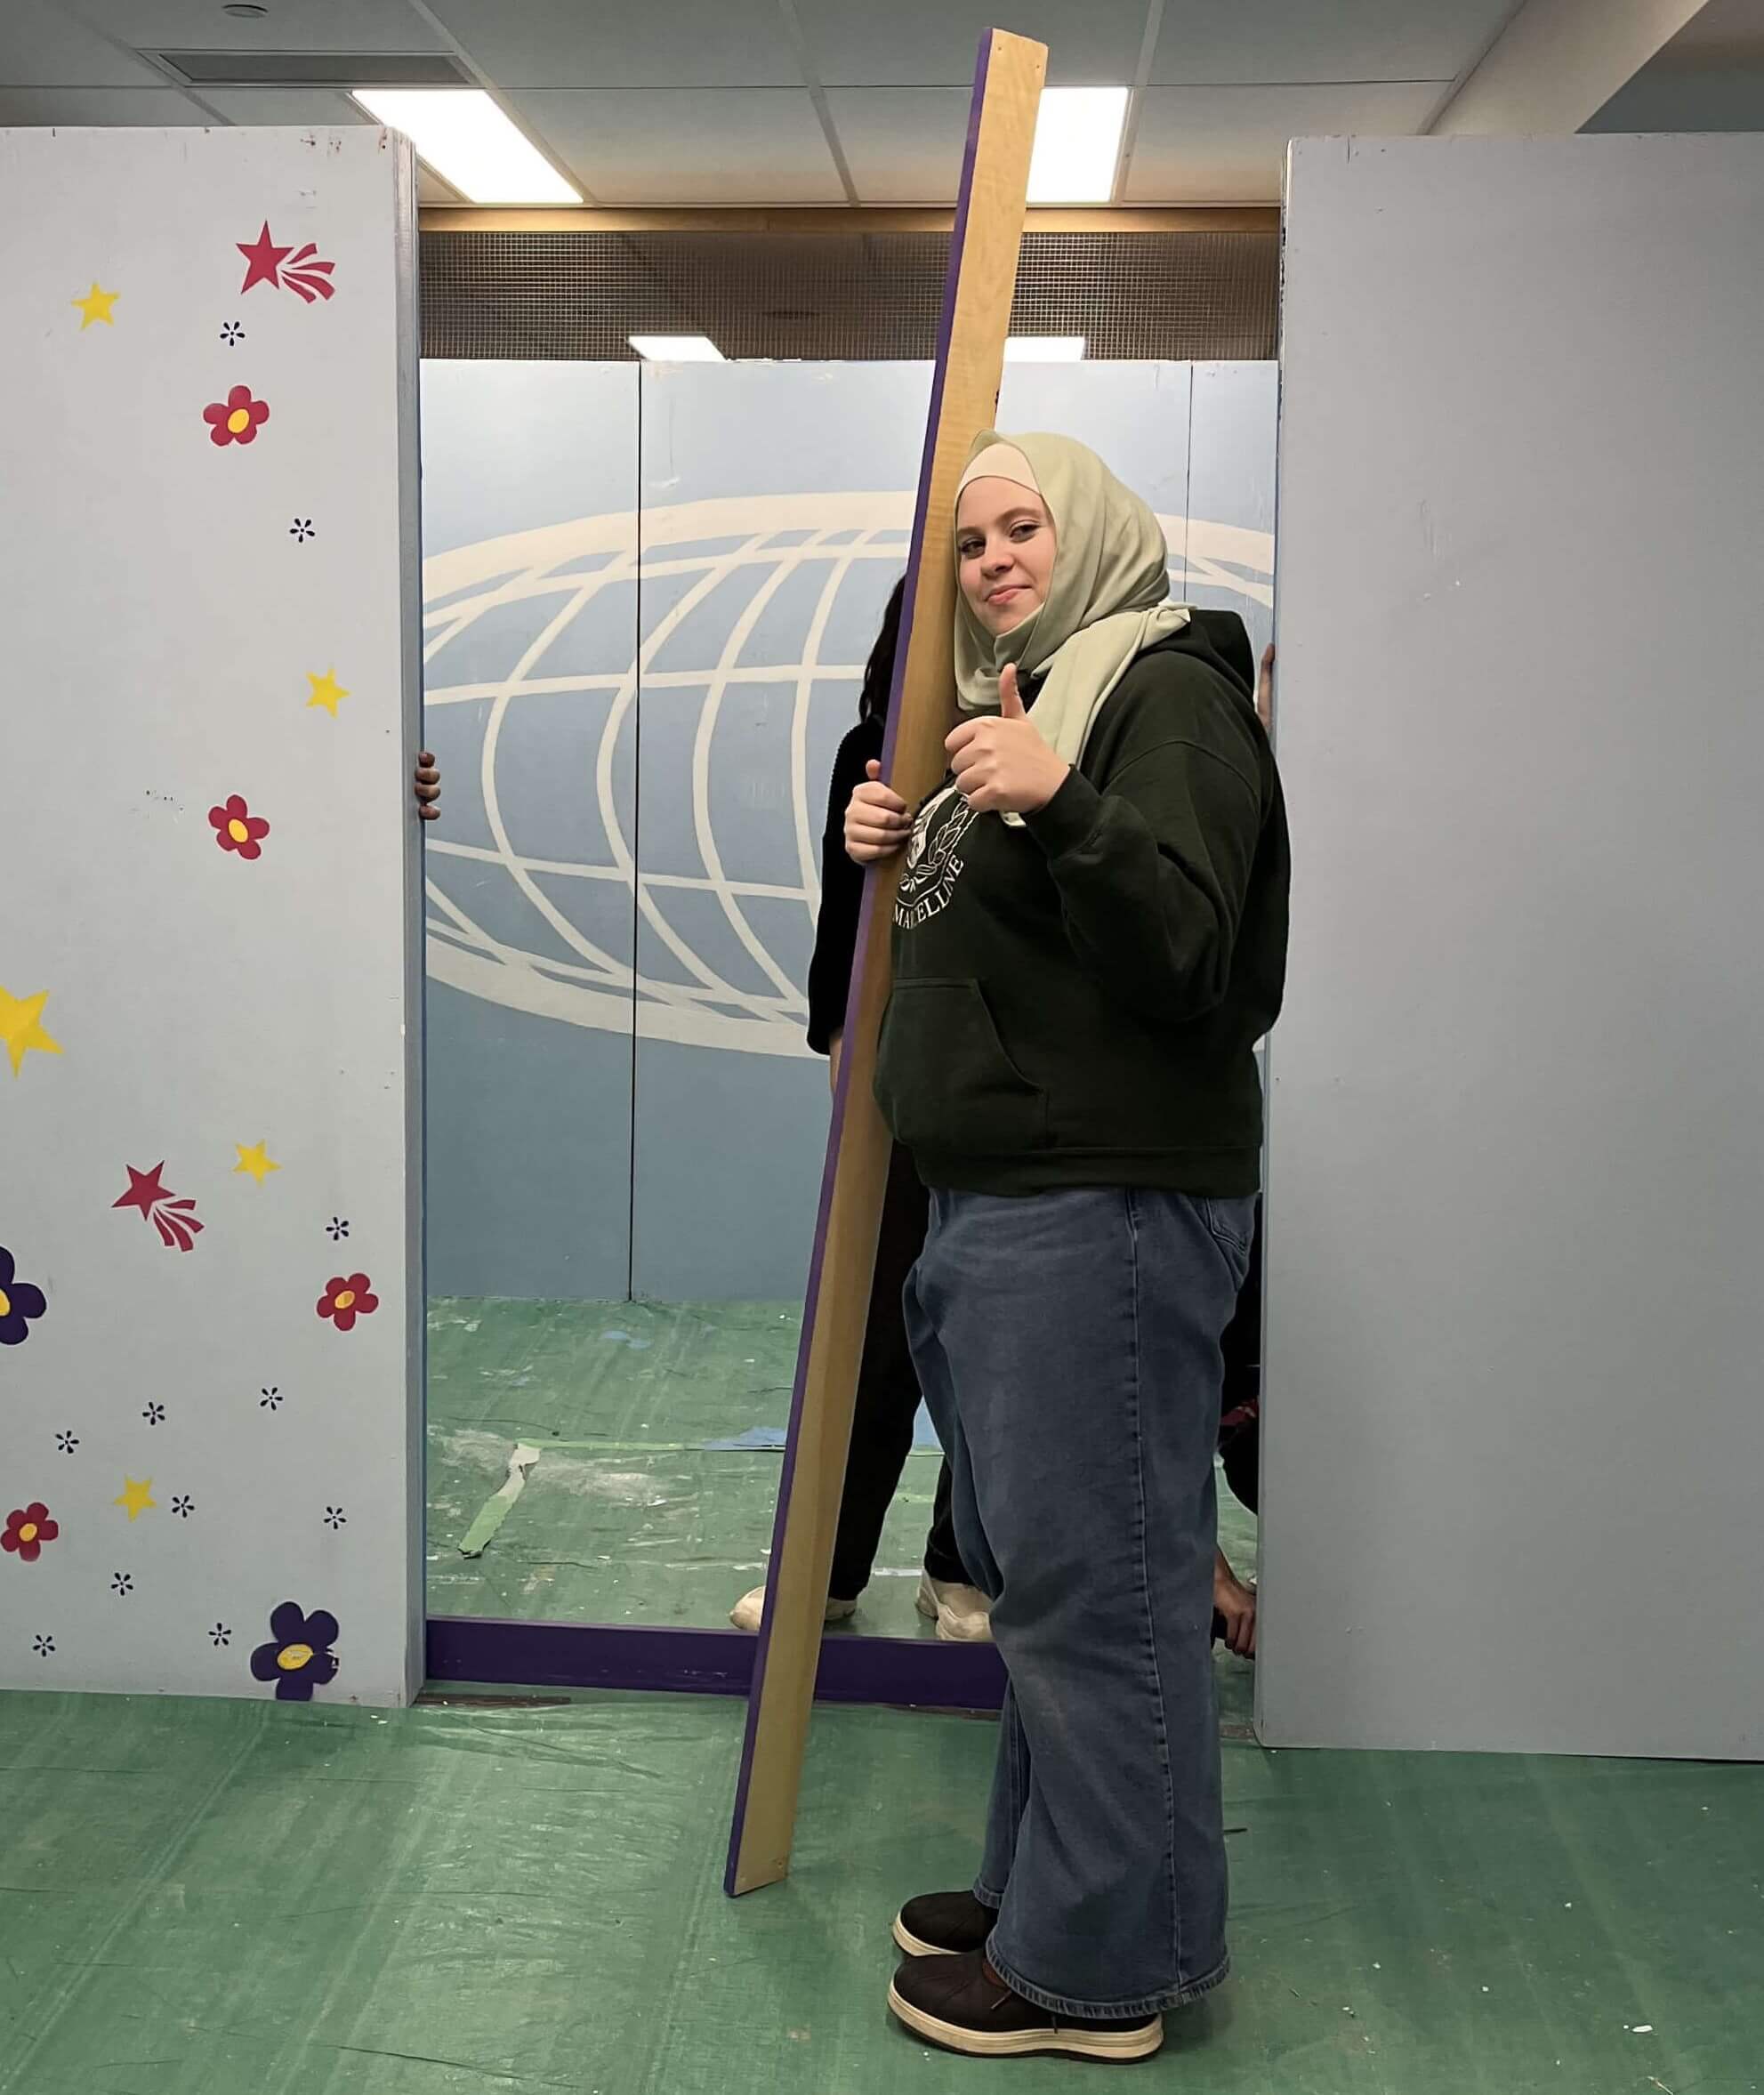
747, 1611
963, 1613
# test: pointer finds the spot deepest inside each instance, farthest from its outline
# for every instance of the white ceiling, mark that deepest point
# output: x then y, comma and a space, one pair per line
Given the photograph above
845, 101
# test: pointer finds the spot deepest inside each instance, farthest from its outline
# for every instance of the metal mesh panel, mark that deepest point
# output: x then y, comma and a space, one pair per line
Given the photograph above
858, 296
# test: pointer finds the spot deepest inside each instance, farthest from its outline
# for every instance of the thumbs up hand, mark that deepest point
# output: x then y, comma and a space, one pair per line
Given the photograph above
1002, 765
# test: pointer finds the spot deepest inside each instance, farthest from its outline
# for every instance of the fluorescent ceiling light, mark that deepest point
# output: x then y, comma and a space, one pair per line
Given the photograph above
1077, 143
1045, 348
465, 138
677, 348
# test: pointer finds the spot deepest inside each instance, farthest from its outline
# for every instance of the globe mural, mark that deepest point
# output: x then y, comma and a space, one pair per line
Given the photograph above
609, 865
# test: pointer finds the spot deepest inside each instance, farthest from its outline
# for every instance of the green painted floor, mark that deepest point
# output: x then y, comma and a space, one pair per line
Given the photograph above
498, 1892
633, 1512
247, 1898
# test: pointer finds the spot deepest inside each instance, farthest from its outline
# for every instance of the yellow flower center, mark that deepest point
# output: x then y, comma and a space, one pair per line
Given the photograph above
6, 1303
238, 831
238, 421
292, 1657
346, 1299
27, 1533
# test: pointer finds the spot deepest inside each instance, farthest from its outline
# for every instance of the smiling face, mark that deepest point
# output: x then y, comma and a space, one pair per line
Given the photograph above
1004, 543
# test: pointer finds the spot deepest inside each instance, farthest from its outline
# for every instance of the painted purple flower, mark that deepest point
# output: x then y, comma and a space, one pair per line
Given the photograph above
20, 1303
298, 1658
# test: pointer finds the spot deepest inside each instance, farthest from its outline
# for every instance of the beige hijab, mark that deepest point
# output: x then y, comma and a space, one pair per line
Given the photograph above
1107, 602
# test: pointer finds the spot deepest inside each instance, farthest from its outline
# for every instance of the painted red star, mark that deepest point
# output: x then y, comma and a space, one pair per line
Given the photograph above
145, 1190
264, 257
175, 1220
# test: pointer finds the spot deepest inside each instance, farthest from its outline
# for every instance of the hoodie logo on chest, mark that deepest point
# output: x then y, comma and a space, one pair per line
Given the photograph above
932, 866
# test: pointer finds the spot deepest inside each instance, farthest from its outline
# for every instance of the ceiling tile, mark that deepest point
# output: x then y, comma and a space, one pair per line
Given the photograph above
933, 43
903, 144
150, 106
304, 106
1299, 41
291, 25
42, 47
597, 44
741, 145
1228, 145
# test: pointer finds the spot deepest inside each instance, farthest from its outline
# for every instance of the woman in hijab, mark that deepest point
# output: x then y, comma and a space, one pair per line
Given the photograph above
1089, 940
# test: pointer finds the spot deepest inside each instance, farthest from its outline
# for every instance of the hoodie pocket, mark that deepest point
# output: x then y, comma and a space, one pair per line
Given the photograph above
944, 1081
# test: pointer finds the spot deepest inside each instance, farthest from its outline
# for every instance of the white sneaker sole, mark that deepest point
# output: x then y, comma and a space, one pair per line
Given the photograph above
1139, 2041
908, 1941
749, 1611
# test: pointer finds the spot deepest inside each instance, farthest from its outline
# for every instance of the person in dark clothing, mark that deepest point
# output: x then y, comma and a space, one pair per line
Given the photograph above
888, 1394
887, 1390
1089, 935
1240, 1421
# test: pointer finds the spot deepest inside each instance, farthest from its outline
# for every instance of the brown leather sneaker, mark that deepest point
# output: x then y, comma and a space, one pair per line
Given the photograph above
959, 2004
943, 1925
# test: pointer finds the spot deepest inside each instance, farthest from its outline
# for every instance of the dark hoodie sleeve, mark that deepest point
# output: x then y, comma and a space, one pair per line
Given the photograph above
842, 892
1153, 862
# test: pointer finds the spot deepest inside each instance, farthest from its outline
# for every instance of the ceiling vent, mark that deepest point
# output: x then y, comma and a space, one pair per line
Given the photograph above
312, 69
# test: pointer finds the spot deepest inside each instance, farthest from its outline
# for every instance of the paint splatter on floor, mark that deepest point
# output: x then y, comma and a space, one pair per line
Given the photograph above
660, 1434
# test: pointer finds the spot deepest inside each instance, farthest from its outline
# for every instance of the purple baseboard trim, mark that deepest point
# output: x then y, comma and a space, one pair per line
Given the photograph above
921, 1672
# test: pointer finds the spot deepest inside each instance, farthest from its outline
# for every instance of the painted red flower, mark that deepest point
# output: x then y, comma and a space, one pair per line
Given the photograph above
343, 1300
28, 1528
237, 419
238, 829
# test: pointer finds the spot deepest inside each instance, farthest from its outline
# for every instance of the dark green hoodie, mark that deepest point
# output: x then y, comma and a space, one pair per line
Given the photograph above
1077, 1002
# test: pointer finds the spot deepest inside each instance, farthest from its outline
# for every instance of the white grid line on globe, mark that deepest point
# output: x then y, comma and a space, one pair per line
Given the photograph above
623, 699
771, 1022
739, 633
810, 672
614, 971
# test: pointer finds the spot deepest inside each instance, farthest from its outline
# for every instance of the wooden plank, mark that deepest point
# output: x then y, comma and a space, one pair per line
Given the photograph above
964, 398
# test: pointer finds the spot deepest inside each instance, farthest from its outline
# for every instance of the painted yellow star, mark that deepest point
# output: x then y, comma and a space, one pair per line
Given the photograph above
325, 691
137, 1496
95, 306
21, 1027
256, 1160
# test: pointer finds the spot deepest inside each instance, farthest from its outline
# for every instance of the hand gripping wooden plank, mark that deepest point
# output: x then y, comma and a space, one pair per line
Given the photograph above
964, 396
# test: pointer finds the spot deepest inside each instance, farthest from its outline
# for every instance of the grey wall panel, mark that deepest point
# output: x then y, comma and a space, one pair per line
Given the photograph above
1230, 505
530, 493
775, 508
208, 853
775, 514
1513, 1427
